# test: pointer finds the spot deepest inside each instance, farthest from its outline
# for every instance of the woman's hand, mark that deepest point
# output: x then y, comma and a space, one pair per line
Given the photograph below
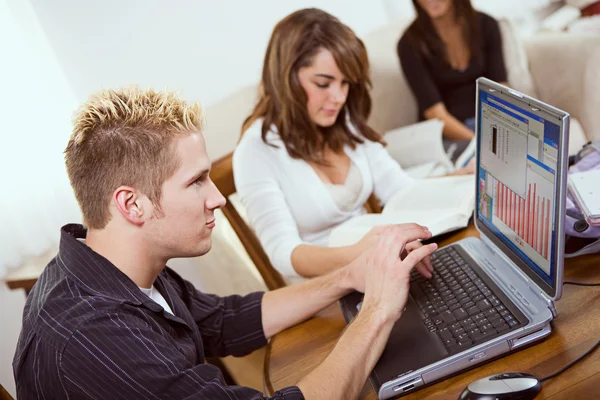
467, 169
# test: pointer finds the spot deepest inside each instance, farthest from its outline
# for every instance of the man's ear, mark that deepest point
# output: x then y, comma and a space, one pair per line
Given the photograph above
129, 203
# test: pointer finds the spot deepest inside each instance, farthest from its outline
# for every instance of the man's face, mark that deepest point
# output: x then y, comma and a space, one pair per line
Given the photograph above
189, 199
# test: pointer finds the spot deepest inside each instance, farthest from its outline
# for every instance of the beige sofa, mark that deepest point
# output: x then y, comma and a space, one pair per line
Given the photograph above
560, 69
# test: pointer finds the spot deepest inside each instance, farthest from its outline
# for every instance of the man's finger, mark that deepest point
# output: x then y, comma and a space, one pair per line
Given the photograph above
423, 270
427, 262
404, 236
417, 255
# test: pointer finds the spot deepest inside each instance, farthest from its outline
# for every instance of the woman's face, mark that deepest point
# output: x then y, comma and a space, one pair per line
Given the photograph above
326, 88
436, 8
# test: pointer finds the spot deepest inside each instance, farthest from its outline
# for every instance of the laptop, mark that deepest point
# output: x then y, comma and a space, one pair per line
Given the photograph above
492, 295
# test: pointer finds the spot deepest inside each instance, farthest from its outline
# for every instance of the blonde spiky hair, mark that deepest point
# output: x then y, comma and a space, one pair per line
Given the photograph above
124, 137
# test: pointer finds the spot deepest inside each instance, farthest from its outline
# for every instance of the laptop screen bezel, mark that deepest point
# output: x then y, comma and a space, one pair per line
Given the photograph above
554, 290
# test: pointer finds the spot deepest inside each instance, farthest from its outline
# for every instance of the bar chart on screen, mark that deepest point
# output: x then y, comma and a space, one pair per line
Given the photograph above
529, 217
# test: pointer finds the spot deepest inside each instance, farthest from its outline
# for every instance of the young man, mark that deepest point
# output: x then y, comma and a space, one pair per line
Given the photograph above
108, 319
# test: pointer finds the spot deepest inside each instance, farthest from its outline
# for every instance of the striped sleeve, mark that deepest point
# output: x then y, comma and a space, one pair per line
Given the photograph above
230, 325
123, 356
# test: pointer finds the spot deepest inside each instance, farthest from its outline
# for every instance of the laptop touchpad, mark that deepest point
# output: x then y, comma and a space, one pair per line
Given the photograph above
411, 346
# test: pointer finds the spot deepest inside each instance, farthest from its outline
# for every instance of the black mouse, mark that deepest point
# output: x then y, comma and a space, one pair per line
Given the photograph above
508, 386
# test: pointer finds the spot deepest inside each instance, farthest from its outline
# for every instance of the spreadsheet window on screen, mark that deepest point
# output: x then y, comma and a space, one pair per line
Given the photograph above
517, 180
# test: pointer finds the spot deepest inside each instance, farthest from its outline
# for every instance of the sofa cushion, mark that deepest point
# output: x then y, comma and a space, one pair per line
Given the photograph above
515, 58
393, 102
224, 121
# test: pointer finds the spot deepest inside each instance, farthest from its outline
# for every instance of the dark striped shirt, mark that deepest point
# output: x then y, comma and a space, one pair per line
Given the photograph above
89, 332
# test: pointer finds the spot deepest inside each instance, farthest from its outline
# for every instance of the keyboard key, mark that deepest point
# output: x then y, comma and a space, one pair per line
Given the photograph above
462, 296
477, 297
483, 336
468, 304
473, 310
458, 332
445, 334
474, 331
469, 325
483, 304
509, 318
463, 337
449, 342
451, 301
491, 312
448, 317
486, 327
460, 313
478, 316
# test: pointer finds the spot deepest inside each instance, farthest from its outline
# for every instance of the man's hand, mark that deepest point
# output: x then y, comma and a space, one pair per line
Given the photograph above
383, 275
424, 266
374, 235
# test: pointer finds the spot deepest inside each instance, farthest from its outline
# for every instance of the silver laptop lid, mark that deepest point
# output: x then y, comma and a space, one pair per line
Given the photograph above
522, 157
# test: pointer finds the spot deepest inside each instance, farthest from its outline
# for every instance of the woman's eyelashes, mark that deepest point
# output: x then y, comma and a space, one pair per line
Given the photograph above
325, 85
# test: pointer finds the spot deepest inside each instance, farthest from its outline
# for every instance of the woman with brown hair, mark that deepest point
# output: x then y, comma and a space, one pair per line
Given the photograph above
442, 53
307, 160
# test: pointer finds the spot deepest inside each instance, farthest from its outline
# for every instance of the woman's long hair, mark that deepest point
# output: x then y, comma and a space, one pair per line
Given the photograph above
422, 33
282, 100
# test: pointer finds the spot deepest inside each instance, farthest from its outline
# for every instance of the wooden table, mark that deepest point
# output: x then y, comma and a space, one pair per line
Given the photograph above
292, 354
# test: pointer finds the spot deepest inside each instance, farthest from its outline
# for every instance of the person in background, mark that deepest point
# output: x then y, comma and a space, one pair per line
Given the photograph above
307, 160
446, 48
107, 319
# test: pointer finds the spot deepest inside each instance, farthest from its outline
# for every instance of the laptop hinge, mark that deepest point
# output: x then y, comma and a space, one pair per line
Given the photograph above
551, 305
490, 244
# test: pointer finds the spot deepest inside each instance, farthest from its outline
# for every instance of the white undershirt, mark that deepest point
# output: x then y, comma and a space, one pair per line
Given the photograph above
346, 195
158, 298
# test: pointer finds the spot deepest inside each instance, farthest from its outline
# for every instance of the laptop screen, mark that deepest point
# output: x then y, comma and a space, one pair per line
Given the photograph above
518, 185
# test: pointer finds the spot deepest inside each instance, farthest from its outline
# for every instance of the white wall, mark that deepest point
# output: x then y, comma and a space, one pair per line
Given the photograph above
36, 198
207, 49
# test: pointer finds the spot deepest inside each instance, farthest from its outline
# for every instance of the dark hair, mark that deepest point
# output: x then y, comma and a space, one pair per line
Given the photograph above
423, 34
282, 100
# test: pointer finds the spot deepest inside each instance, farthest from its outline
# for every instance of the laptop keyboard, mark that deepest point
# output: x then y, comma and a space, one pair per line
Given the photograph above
460, 306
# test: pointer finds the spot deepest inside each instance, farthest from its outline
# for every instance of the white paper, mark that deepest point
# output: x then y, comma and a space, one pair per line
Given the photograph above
441, 204
587, 186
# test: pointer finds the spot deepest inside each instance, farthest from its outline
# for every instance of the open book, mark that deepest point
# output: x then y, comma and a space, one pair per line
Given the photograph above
441, 204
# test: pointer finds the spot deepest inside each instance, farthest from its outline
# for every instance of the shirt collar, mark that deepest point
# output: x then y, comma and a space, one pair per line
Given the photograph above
93, 272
